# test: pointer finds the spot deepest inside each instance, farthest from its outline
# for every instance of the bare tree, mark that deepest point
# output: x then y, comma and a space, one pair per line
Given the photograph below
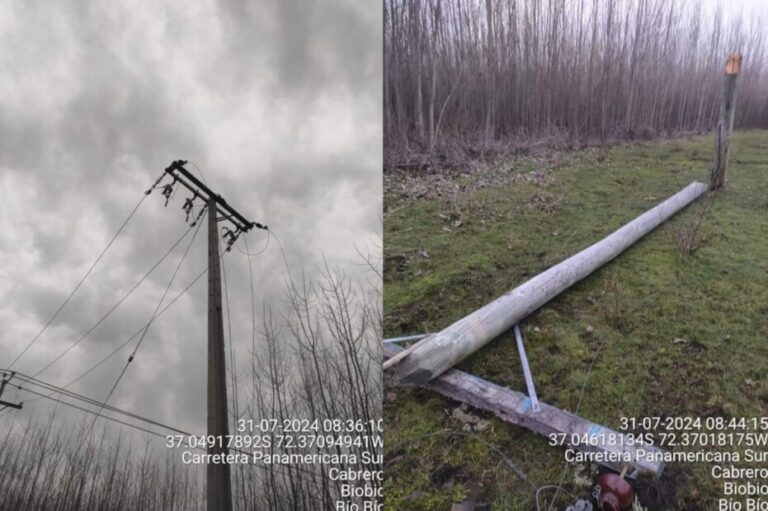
468, 76
319, 359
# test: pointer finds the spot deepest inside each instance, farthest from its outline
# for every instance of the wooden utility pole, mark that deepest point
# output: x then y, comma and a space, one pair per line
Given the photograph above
725, 124
218, 479
438, 352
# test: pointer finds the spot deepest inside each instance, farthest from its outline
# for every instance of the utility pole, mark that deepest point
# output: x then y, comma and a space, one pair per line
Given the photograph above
3, 383
725, 124
217, 477
218, 480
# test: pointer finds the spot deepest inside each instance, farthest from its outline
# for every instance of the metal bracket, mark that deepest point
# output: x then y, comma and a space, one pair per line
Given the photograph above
186, 179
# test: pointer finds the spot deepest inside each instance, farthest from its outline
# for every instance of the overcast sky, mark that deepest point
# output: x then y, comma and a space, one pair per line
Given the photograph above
279, 104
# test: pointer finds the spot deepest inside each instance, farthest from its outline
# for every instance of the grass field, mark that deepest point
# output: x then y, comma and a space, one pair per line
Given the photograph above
674, 333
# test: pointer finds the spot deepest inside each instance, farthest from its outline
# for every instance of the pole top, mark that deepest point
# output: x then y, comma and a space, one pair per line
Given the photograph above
733, 65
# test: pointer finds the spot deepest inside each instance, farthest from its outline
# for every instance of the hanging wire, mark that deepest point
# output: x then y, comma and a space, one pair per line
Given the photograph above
285, 259
233, 365
146, 329
148, 421
165, 293
135, 334
253, 313
248, 252
27, 380
114, 307
576, 412
61, 392
87, 273
202, 176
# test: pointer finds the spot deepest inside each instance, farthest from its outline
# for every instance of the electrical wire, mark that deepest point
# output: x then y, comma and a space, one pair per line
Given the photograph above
136, 417
576, 412
202, 176
103, 416
135, 334
87, 273
232, 364
285, 260
253, 306
247, 251
114, 307
151, 319
84, 399
550, 487
59, 391
168, 287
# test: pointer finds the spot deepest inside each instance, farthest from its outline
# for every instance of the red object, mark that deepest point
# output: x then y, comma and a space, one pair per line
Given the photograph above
615, 493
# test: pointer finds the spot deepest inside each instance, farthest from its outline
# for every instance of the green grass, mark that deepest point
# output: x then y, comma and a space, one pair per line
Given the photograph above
491, 230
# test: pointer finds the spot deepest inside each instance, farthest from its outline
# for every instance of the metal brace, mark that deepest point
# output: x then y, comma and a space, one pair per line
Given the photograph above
527, 371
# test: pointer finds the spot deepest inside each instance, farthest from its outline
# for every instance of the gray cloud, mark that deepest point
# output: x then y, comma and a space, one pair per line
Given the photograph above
279, 104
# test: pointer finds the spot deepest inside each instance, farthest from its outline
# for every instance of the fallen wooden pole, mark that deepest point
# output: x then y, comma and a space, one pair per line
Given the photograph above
612, 449
438, 352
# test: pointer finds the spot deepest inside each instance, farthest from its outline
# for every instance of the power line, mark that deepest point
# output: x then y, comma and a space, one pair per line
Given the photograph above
84, 399
285, 261
62, 391
151, 319
253, 311
40, 383
205, 181
33, 381
170, 283
87, 273
150, 421
157, 424
132, 337
111, 354
232, 364
248, 253
114, 307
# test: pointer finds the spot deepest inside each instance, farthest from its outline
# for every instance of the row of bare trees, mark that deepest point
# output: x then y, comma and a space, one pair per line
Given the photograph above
477, 73
46, 465
318, 358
